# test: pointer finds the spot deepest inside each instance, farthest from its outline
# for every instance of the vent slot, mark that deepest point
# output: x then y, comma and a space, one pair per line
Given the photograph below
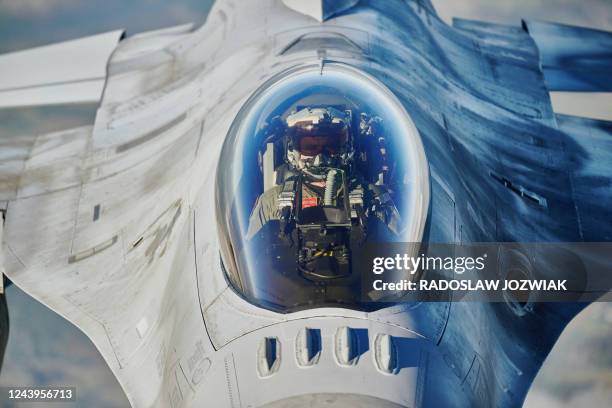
519, 190
268, 356
96, 212
308, 347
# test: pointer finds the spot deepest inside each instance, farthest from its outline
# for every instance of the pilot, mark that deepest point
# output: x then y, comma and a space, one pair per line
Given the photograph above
318, 150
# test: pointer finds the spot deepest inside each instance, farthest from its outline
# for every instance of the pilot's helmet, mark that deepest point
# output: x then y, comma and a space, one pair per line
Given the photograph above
315, 131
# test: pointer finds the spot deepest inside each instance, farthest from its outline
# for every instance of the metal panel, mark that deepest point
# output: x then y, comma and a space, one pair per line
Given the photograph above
68, 72
320, 10
573, 58
591, 181
88, 91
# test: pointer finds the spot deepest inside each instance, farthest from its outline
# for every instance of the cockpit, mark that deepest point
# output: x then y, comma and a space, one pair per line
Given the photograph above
317, 163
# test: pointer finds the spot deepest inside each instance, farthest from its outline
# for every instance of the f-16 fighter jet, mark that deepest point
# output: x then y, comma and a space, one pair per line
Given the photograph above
204, 232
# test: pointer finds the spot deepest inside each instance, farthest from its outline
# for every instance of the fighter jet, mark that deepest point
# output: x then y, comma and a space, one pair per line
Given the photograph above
204, 231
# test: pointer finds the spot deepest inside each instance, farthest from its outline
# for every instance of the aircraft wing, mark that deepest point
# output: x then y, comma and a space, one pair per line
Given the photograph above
99, 219
573, 58
67, 72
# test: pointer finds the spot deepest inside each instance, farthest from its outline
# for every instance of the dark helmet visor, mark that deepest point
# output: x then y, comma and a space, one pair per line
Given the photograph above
312, 142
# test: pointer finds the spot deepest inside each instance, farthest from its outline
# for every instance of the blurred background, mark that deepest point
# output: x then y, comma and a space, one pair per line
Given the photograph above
46, 350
